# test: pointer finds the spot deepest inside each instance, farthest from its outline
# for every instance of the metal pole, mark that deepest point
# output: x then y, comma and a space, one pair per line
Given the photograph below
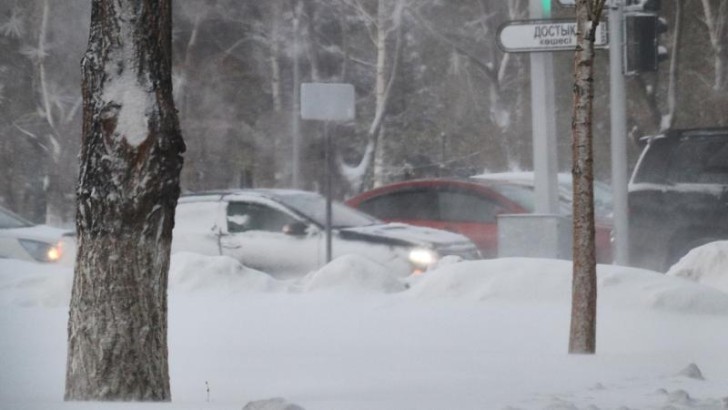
327, 139
295, 123
543, 125
618, 115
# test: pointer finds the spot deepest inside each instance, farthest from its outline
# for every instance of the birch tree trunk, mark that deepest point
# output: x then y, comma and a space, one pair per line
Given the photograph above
716, 20
127, 192
369, 171
380, 92
582, 338
275, 51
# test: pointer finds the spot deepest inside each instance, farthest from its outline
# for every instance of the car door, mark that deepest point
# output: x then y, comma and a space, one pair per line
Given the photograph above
412, 205
472, 214
255, 236
649, 213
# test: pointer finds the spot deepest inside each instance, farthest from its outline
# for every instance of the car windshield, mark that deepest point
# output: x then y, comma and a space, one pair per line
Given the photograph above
9, 220
524, 196
313, 206
520, 191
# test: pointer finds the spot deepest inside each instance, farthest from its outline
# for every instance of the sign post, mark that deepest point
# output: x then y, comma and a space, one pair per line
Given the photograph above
618, 126
327, 102
528, 36
533, 36
543, 124
539, 37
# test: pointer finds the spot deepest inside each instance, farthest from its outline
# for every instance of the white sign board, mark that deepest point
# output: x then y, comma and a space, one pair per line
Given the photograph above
545, 35
570, 3
327, 101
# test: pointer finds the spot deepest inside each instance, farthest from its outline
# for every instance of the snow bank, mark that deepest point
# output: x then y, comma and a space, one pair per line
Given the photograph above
353, 273
549, 281
189, 272
707, 264
505, 278
31, 284
469, 335
516, 280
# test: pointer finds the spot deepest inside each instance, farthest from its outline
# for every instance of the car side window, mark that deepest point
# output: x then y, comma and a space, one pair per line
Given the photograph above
700, 160
654, 165
245, 216
457, 206
411, 204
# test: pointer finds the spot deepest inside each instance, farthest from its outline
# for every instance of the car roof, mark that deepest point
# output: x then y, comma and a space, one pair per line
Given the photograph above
12, 216
688, 132
226, 194
483, 186
431, 182
519, 177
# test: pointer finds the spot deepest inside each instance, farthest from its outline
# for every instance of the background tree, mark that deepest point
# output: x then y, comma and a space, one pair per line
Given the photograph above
716, 23
41, 117
457, 105
582, 338
127, 193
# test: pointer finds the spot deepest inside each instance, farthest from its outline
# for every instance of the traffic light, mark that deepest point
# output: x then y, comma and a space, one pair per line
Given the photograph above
642, 30
546, 7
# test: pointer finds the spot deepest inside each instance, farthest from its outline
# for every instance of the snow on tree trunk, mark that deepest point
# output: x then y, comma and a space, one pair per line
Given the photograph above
126, 197
582, 338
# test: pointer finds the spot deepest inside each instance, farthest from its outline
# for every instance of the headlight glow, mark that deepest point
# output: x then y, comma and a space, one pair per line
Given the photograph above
41, 251
54, 253
422, 257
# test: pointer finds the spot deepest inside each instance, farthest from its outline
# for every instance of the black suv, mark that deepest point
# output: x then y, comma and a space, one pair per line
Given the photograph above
678, 196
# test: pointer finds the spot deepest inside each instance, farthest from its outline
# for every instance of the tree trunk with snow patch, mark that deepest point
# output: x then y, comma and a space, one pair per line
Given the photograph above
127, 192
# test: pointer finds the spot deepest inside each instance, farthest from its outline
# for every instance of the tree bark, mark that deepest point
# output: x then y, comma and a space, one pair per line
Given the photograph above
582, 338
370, 170
380, 91
275, 51
126, 196
715, 20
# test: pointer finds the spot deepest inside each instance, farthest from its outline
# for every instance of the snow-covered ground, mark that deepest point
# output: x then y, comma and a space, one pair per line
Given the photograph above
468, 335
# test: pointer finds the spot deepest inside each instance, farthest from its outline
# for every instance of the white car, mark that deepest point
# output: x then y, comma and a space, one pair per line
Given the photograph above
282, 232
21, 239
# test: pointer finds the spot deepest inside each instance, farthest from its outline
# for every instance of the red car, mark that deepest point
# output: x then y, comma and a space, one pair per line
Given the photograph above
469, 207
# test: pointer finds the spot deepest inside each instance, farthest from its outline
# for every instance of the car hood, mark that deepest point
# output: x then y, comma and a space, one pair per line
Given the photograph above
403, 234
42, 233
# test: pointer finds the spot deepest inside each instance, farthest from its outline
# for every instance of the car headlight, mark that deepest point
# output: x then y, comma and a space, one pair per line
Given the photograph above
42, 251
422, 257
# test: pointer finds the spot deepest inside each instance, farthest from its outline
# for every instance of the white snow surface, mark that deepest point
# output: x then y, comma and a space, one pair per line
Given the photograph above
468, 335
707, 264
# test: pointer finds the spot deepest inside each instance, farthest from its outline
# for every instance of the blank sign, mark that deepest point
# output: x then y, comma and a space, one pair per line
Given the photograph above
327, 101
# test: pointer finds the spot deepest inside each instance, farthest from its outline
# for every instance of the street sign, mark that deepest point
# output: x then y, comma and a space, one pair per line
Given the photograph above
568, 3
327, 101
528, 36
